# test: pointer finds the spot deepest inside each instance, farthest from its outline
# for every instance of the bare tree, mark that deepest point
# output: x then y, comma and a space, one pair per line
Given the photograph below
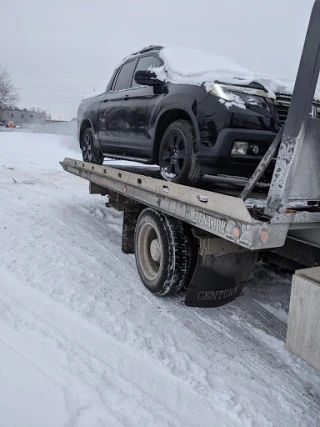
8, 93
39, 110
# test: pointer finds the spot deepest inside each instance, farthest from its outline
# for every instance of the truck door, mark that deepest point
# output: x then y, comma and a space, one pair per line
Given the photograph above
137, 107
110, 118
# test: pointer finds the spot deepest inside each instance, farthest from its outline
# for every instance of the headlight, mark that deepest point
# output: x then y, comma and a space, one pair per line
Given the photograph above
240, 95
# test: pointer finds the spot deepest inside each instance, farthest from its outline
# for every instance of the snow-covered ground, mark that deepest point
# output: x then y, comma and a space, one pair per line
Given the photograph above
82, 343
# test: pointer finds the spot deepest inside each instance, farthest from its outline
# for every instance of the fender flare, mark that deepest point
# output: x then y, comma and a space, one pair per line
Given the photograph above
96, 140
188, 110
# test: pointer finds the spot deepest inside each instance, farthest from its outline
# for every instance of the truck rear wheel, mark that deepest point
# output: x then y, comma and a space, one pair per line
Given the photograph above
162, 252
89, 151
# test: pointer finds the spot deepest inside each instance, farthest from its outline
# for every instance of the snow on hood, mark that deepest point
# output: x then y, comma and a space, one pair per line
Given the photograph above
190, 66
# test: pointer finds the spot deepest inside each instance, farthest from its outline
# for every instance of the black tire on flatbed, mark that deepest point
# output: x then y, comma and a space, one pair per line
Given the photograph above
90, 153
178, 159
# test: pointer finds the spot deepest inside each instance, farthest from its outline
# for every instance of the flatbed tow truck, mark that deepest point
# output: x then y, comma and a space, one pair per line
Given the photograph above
213, 234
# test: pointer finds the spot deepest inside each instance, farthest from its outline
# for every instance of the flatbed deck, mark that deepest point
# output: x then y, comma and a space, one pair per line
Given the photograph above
217, 213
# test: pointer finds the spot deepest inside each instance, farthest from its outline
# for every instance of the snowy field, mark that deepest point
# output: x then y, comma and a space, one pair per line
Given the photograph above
83, 344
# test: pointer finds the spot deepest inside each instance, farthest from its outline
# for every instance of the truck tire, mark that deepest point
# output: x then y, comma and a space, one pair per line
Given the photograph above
89, 151
177, 156
162, 252
193, 249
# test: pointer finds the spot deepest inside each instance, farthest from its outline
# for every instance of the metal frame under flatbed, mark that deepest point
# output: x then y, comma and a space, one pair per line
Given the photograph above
218, 214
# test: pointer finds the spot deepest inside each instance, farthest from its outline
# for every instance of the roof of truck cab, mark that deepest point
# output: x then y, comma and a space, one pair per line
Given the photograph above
151, 48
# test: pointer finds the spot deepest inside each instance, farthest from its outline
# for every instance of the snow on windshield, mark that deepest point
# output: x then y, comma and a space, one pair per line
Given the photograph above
190, 66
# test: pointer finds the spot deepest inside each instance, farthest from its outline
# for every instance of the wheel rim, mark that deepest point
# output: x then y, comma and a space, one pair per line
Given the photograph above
174, 154
87, 147
150, 252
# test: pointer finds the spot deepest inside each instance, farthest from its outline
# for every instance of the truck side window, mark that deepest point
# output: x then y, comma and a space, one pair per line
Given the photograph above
144, 63
125, 76
112, 81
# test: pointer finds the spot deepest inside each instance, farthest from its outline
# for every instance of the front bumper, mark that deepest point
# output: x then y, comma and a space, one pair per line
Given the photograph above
218, 159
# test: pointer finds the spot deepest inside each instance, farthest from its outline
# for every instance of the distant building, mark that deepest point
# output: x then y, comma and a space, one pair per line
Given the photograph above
23, 117
55, 121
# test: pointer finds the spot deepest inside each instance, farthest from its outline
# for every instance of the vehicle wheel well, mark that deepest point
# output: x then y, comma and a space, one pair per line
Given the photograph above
84, 125
165, 120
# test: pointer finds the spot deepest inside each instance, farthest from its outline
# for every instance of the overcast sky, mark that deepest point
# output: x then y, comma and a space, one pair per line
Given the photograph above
56, 51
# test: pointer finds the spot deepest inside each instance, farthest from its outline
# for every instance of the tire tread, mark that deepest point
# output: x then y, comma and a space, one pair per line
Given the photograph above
172, 232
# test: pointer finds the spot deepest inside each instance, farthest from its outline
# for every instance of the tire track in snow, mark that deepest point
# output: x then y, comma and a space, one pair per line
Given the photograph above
148, 378
78, 395
252, 352
184, 367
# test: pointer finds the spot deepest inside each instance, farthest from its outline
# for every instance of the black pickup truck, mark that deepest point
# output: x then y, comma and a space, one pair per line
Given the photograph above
184, 128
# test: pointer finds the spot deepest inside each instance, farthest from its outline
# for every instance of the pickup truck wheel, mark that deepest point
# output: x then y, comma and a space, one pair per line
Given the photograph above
177, 156
162, 252
89, 152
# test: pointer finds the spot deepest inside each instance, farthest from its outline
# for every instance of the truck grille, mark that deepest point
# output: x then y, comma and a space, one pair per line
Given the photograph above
282, 106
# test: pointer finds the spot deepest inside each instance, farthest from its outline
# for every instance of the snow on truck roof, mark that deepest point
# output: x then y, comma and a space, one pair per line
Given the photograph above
191, 66
184, 65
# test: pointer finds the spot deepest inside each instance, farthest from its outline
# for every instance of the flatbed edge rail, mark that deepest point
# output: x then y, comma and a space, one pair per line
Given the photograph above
222, 215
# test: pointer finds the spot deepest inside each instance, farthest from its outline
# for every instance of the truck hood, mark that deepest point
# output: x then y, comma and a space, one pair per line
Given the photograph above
190, 66
91, 96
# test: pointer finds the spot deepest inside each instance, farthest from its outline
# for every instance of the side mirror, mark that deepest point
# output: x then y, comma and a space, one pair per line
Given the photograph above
146, 78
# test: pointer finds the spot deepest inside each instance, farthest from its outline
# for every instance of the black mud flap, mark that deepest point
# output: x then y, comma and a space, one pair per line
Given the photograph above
209, 289
131, 213
218, 280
